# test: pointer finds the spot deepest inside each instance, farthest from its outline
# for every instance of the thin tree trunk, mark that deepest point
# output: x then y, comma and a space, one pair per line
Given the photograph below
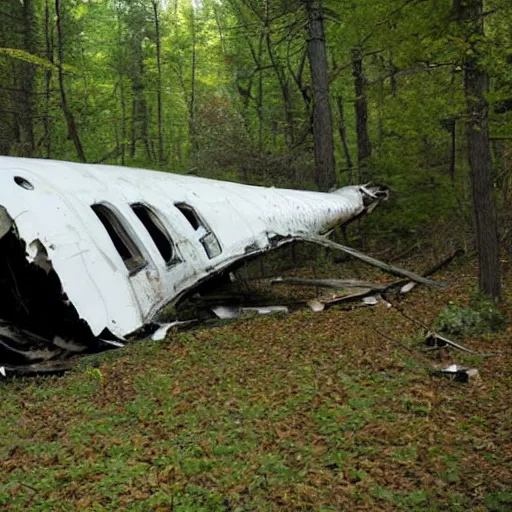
261, 139
285, 90
48, 81
219, 28
68, 114
123, 120
133, 132
322, 115
161, 156
453, 153
139, 105
192, 102
476, 83
342, 129
28, 81
392, 68
122, 97
364, 147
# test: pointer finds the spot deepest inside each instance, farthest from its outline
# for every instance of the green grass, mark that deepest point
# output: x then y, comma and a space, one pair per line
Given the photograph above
310, 412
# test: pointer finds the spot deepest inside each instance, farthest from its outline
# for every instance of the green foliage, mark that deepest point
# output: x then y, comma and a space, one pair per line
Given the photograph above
481, 317
499, 501
236, 99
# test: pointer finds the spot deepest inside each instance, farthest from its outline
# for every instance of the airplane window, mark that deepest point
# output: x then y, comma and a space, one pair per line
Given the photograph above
125, 246
208, 239
156, 230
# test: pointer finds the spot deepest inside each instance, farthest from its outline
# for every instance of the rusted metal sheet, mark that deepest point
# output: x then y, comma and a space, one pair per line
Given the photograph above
111, 246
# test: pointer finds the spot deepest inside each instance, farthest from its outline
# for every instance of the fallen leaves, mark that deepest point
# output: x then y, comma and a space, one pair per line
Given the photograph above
309, 412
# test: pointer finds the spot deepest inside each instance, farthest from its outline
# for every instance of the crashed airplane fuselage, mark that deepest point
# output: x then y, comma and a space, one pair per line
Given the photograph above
94, 251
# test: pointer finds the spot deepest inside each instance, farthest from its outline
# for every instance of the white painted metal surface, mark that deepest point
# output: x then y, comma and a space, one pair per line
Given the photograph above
50, 203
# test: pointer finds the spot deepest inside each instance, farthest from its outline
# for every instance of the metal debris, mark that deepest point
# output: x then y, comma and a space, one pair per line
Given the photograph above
230, 312
459, 373
163, 331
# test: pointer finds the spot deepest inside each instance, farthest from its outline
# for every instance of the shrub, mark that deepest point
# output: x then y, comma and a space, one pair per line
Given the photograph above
482, 316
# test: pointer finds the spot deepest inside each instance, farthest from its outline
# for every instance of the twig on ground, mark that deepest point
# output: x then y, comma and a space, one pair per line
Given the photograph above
29, 487
407, 285
442, 338
425, 361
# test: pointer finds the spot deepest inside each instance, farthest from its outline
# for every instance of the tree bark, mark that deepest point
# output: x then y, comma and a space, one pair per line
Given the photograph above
122, 95
139, 103
47, 123
28, 81
161, 156
342, 129
322, 115
284, 86
364, 147
192, 103
68, 114
476, 83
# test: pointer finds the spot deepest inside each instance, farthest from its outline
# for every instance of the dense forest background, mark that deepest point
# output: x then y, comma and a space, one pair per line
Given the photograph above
418, 94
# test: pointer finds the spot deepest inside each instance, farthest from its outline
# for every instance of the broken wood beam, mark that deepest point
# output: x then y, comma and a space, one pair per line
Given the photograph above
345, 298
386, 267
407, 286
328, 283
443, 341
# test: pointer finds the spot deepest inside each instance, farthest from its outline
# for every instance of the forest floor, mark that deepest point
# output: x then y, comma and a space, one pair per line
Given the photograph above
310, 411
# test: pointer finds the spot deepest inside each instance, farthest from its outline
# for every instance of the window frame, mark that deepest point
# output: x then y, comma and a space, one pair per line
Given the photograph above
117, 224
211, 245
157, 223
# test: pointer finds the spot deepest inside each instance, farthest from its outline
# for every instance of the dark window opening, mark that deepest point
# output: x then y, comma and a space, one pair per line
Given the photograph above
122, 241
23, 183
189, 213
208, 240
156, 231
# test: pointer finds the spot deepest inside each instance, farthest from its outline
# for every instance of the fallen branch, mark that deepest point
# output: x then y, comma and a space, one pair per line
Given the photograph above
441, 338
386, 267
346, 298
451, 343
425, 361
454, 371
407, 286
329, 283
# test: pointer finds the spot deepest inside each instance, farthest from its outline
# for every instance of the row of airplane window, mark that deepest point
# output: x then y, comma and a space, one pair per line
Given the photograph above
128, 249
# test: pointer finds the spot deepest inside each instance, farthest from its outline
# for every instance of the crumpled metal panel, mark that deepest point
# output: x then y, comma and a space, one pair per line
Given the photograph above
50, 204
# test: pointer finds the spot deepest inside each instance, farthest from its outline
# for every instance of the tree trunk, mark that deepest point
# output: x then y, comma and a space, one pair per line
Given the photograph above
364, 147
139, 104
68, 114
161, 156
261, 122
122, 94
192, 103
322, 115
28, 81
284, 87
47, 123
123, 120
342, 129
476, 83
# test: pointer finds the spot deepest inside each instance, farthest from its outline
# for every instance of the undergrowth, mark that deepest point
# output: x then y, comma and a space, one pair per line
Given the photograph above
310, 412
482, 316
